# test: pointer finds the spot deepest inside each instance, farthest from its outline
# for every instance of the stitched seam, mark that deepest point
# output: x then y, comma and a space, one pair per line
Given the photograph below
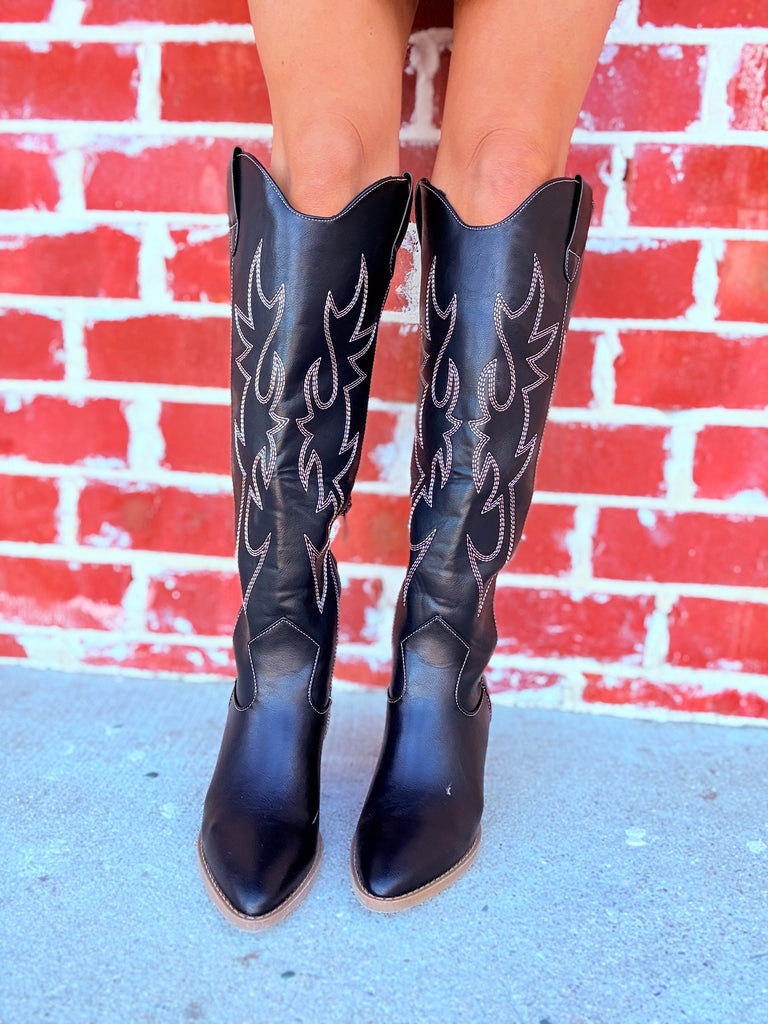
310, 217
498, 224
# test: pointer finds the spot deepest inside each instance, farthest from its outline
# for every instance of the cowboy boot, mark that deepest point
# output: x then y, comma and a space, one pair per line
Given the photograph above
307, 295
496, 302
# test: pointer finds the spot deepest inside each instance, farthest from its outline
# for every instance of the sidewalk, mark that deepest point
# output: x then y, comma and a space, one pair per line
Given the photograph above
623, 877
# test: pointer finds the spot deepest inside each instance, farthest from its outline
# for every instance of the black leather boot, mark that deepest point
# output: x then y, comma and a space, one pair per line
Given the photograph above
495, 304
307, 295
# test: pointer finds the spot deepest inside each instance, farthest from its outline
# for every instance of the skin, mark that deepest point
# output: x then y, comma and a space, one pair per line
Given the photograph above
517, 79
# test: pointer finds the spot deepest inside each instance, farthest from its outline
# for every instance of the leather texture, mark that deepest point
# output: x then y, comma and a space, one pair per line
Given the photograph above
307, 295
495, 304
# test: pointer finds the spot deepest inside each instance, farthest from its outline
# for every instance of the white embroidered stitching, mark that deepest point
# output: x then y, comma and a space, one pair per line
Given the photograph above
320, 557
309, 458
526, 447
422, 548
250, 489
442, 460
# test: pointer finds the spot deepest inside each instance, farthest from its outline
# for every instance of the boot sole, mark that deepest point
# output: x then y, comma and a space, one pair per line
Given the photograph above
394, 904
256, 922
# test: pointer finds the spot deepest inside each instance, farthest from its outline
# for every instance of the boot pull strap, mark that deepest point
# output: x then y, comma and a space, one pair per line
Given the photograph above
578, 238
233, 190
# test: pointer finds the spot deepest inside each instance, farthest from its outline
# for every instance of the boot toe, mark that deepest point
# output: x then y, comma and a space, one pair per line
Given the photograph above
397, 860
256, 877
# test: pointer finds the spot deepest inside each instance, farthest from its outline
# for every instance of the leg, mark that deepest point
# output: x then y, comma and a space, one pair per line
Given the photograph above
334, 74
495, 304
517, 80
307, 295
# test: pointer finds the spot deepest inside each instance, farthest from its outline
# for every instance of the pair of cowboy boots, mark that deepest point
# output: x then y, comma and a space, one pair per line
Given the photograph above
307, 296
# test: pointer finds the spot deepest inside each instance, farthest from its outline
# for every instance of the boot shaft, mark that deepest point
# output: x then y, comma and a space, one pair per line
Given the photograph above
495, 306
307, 295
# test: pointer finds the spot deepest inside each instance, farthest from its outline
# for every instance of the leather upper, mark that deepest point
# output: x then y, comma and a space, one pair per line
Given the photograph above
495, 307
307, 294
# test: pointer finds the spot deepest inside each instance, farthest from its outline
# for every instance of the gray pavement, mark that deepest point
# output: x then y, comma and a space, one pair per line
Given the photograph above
623, 877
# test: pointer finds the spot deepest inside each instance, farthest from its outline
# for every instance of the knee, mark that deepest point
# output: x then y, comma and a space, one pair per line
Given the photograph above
490, 180
324, 163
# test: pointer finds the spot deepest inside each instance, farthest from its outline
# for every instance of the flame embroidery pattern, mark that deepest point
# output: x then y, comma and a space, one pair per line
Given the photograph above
485, 465
432, 406
263, 463
346, 375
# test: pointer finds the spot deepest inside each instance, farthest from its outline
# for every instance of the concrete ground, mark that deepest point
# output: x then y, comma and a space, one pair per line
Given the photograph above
622, 879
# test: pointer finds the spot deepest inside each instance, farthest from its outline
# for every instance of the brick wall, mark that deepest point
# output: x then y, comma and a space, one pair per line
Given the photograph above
640, 583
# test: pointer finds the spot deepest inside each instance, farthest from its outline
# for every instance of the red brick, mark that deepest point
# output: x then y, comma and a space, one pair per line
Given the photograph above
730, 460
433, 14
33, 346
584, 458
102, 261
552, 624
418, 159
593, 163
375, 530
25, 10
748, 89
213, 82
710, 186
160, 349
27, 179
691, 370
87, 81
544, 544
674, 697
440, 80
401, 298
197, 437
645, 279
714, 14
645, 88
10, 647
168, 12
200, 603
687, 547
359, 599
28, 509
743, 291
506, 680
574, 378
54, 430
395, 375
42, 592
730, 635
353, 668
187, 175
180, 659
381, 458
199, 270
156, 519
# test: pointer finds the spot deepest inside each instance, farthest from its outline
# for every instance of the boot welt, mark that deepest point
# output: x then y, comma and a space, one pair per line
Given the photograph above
257, 922
393, 904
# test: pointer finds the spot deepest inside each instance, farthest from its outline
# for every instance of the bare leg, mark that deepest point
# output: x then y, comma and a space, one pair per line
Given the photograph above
518, 76
334, 74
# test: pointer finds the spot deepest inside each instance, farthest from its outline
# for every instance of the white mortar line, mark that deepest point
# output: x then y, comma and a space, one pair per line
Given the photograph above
680, 446
101, 131
148, 101
656, 647
211, 483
